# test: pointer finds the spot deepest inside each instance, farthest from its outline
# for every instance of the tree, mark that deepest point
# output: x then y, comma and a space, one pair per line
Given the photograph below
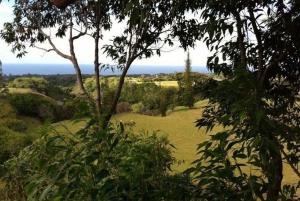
1, 76
147, 29
255, 103
188, 88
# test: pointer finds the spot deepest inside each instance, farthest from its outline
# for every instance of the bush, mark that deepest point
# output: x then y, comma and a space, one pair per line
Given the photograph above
66, 110
137, 107
123, 107
149, 112
11, 143
45, 112
33, 105
115, 165
7, 111
14, 124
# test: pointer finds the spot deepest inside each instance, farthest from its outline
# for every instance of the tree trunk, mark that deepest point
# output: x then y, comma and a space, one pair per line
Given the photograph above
79, 78
273, 192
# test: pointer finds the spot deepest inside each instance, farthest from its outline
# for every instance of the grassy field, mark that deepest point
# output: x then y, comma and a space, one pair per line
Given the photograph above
19, 90
180, 127
159, 83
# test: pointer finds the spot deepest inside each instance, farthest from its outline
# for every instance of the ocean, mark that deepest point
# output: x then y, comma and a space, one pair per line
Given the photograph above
54, 69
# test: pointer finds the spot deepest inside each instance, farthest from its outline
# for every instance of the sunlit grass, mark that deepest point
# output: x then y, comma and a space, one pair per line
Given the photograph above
19, 90
179, 124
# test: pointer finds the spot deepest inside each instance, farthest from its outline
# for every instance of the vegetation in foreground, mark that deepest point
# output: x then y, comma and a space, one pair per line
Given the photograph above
256, 102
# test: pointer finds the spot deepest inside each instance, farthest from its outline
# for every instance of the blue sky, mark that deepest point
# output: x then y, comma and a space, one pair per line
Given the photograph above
84, 49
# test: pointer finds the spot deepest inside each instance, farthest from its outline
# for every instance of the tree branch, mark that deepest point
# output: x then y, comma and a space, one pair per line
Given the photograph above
259, 41
289, 162
53, 46
241, 40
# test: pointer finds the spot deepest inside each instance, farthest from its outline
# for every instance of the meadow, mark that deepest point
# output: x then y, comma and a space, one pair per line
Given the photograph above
179, 125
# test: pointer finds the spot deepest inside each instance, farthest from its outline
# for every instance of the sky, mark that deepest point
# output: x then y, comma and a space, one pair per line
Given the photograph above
174, 56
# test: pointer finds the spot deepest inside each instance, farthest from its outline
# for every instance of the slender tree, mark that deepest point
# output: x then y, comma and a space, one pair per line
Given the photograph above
188, 88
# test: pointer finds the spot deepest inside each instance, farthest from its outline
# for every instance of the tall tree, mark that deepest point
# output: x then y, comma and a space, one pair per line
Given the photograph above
256, 48
188, 88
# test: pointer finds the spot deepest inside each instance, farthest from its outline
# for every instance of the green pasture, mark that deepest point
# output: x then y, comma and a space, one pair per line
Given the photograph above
180, 127
166, 83
158, 83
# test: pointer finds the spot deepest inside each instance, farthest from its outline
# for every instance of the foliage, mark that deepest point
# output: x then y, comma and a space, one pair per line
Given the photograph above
67, 80
11, 143
7, 111
200, 81
66, 109
123, 107
188, 89
137, 107
91, 165
167, 98
14, 124
256, 103
35, 83
34, 105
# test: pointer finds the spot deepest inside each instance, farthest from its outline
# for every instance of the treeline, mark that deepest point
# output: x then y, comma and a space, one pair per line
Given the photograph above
145, 97
64, 80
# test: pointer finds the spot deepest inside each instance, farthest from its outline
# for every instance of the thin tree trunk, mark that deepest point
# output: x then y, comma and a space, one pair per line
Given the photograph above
79, 77
276, 160
96, 62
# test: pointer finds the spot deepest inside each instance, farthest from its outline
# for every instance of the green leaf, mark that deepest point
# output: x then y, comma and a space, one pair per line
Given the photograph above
242, 115
134, 16
128, 7
45, 192
216, 60
224, 57
31, 188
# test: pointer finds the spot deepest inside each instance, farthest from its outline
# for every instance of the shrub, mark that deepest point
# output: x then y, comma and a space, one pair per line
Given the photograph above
32, 104
115, 165
66, 110
149, 112
14, 124
137, 107
7, 111
11, 143
123, 107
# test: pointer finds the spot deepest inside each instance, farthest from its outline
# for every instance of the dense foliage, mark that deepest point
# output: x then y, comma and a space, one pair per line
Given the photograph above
35, 83
112, 164
188, 89
257, 102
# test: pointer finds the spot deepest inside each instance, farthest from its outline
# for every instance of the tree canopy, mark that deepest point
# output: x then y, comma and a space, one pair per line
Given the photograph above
255, 46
